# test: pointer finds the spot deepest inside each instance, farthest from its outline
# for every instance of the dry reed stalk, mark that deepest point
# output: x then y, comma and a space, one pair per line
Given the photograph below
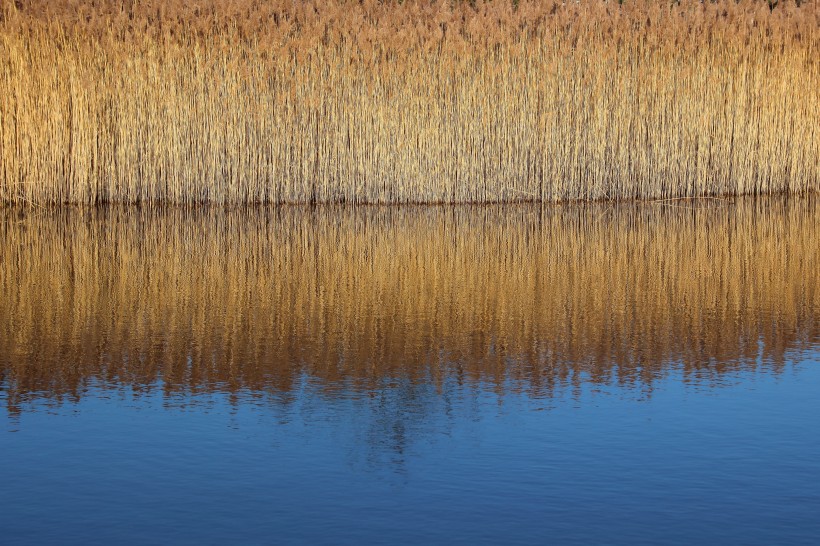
537, 297
384, 102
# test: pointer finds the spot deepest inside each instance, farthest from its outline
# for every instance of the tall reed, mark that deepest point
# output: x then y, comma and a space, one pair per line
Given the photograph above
393, 102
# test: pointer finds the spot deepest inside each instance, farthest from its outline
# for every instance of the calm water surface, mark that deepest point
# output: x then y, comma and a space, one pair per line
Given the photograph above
600, 374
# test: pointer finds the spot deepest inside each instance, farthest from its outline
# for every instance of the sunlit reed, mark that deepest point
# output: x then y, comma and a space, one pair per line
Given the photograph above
392, 102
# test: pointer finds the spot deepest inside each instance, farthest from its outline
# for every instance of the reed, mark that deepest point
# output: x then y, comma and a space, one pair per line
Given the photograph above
523, 297
229, 101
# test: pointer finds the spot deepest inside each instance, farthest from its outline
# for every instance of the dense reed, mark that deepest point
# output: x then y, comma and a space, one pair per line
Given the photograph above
324, 101
522, 297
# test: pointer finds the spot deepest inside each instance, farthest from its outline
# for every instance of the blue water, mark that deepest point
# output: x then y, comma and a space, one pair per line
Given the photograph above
738, 463
411, 376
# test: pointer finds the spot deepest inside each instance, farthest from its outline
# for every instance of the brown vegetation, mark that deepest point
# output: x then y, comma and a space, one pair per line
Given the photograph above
324, 101
516, 296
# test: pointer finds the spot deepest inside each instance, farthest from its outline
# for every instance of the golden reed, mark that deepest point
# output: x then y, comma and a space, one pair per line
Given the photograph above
232, 101
525, 297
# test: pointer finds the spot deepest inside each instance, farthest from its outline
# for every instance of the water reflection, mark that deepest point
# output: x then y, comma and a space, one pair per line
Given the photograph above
361, 302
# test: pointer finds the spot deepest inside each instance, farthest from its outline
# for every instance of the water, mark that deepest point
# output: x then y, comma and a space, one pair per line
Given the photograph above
599, 374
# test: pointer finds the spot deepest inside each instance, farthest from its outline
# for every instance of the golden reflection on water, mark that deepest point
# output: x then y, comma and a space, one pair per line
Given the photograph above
516, 297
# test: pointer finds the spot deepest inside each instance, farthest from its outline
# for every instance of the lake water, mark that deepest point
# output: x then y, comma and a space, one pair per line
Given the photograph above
608, 374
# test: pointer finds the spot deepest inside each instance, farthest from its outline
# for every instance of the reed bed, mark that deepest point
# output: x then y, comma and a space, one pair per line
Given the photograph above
515, 297
278, 101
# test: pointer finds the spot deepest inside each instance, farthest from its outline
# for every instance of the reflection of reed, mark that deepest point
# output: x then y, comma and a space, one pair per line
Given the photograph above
525, 296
